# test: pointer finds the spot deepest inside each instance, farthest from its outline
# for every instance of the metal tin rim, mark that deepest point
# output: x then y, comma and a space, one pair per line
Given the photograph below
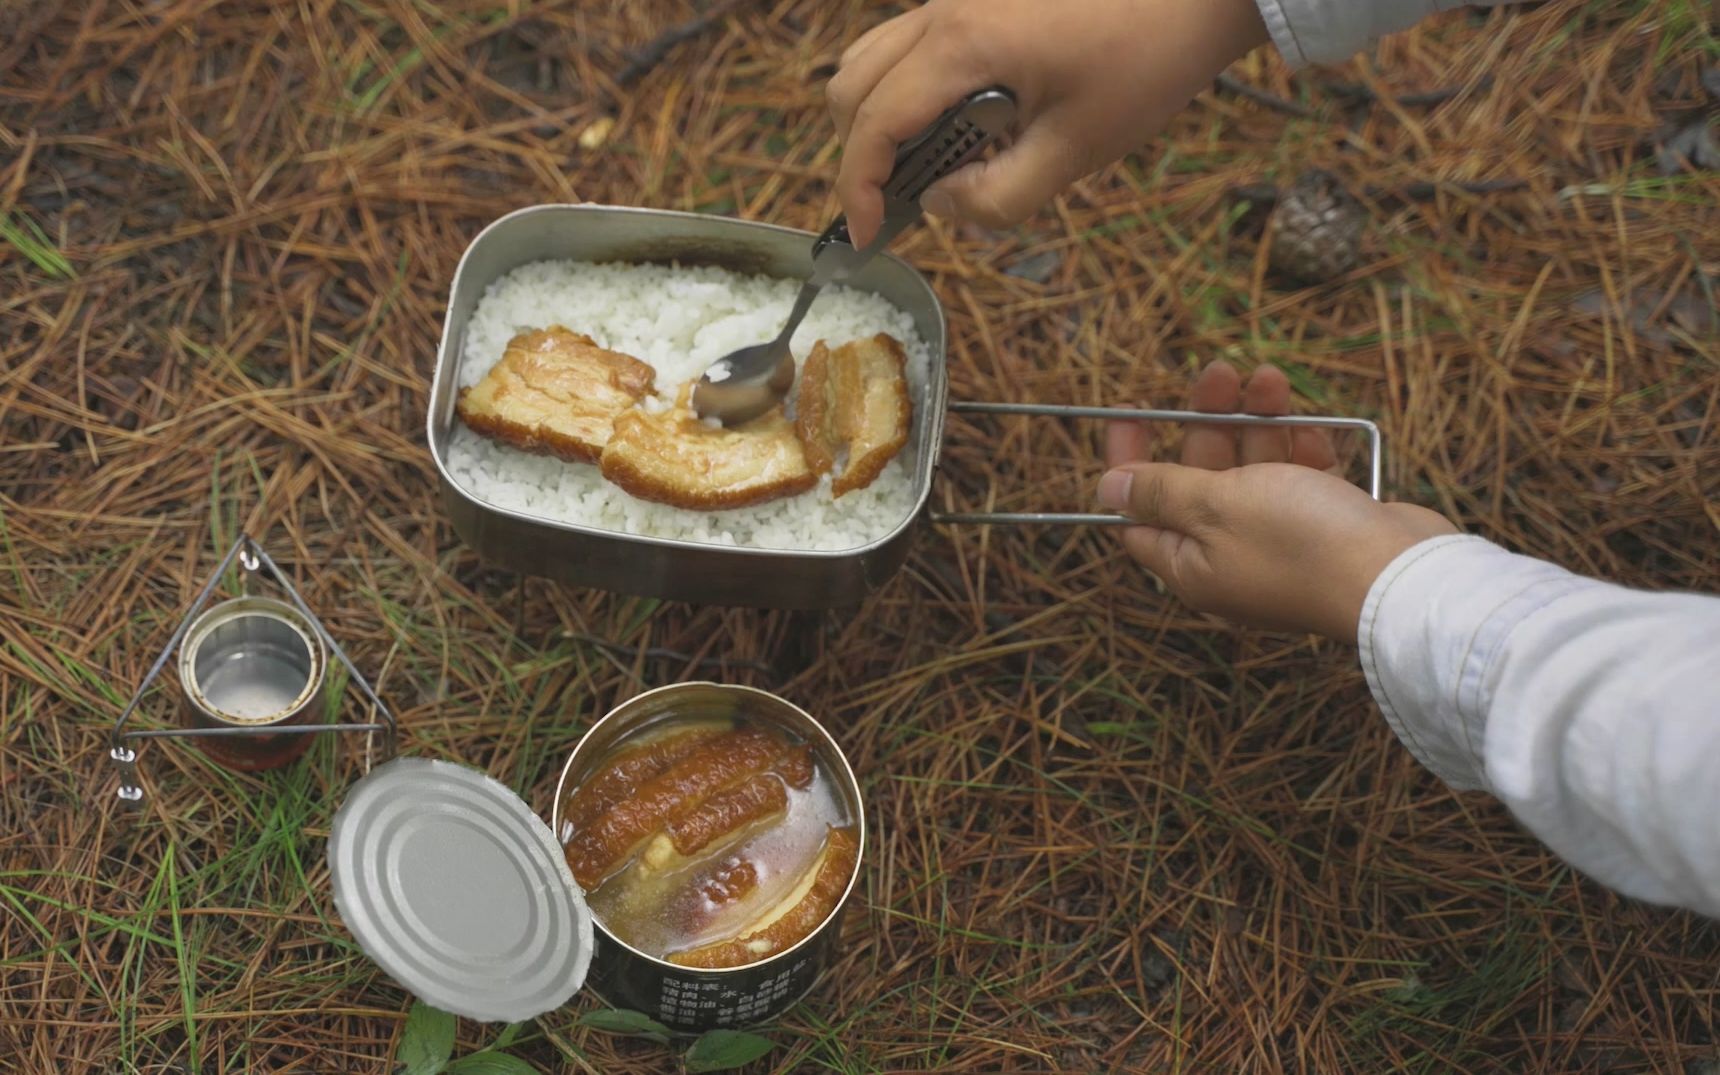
212, 618
936, 398
846, 775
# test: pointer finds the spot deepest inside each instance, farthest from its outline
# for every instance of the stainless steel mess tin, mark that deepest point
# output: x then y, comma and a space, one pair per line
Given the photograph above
664, 567
717, 574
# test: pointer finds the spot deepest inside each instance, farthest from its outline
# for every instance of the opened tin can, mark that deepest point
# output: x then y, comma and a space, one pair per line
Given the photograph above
463, 894
684, 998
252, 662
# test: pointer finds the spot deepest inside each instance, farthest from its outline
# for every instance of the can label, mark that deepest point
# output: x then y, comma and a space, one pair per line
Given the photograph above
722, 1003
691, 1002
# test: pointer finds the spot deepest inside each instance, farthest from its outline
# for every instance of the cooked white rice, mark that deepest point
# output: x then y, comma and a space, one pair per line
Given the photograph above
680, 320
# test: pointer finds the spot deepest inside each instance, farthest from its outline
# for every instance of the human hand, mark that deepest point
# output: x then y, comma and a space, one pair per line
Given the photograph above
1250, 526
1094, 79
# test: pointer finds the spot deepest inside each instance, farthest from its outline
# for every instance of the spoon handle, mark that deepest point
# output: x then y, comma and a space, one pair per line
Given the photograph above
950, 142
802, 303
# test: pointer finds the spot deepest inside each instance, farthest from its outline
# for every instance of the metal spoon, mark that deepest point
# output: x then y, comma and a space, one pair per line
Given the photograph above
744, 384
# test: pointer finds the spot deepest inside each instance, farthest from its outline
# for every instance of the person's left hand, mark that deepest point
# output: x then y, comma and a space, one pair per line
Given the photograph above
1250, 526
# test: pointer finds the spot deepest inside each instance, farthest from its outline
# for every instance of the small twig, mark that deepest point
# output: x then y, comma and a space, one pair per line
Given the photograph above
1423, 190
1354, 91
641, 60
1231, 84
1264, 194
654, 653
1259, 194
1427, 98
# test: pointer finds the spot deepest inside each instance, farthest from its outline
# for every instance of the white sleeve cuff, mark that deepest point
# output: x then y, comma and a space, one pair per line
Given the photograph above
1283, 34
1331, 31
1431, 626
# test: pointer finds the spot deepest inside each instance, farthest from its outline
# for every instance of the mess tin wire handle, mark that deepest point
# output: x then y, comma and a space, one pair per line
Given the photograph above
1051, 410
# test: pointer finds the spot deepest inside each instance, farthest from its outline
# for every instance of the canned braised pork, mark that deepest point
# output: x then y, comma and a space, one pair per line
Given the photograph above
717, 833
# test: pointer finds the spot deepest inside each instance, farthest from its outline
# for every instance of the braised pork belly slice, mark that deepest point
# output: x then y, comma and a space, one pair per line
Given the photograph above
854, 400
555, 392
675, 458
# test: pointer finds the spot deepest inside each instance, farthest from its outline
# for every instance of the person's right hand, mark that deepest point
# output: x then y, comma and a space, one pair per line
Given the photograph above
1094, 79
1251, 526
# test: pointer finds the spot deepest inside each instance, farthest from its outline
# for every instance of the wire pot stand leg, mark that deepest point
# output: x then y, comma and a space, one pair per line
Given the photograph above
255, 562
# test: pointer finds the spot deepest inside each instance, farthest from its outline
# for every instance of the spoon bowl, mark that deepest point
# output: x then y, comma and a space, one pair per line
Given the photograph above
725, 393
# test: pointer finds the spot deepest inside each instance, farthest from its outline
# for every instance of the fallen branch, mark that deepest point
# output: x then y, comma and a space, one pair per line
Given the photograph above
1232, 84
1264, 194
1428, 189
1354, 91
1260, 194
1427, 98
642, 60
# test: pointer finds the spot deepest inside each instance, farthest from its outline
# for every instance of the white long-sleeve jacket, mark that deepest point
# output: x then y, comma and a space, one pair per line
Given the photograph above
1591, 710
1329, 31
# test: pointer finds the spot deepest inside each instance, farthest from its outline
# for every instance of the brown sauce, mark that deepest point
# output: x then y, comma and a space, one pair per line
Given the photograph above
721, 846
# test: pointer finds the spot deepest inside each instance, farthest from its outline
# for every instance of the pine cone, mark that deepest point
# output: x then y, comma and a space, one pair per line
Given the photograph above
1316, 230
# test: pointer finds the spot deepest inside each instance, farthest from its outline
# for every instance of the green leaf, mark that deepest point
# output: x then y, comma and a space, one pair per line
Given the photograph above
507, 1036
490, 1063
428, 1041
621, 1021
720, 1050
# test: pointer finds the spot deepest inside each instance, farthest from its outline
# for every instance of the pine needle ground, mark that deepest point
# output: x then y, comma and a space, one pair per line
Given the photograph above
1110, 836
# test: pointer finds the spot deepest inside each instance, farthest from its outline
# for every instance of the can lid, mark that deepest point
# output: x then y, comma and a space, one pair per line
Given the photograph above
459, 891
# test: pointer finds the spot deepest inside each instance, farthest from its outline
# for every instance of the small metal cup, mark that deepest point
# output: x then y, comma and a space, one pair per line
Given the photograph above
252, 663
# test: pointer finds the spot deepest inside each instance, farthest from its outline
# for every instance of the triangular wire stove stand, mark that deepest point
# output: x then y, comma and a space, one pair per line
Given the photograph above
256, 562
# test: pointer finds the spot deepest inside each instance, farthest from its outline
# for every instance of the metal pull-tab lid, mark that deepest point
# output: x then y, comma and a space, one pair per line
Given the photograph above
459, 891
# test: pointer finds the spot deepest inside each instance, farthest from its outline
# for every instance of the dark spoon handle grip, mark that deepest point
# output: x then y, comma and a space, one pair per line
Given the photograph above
950, 142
